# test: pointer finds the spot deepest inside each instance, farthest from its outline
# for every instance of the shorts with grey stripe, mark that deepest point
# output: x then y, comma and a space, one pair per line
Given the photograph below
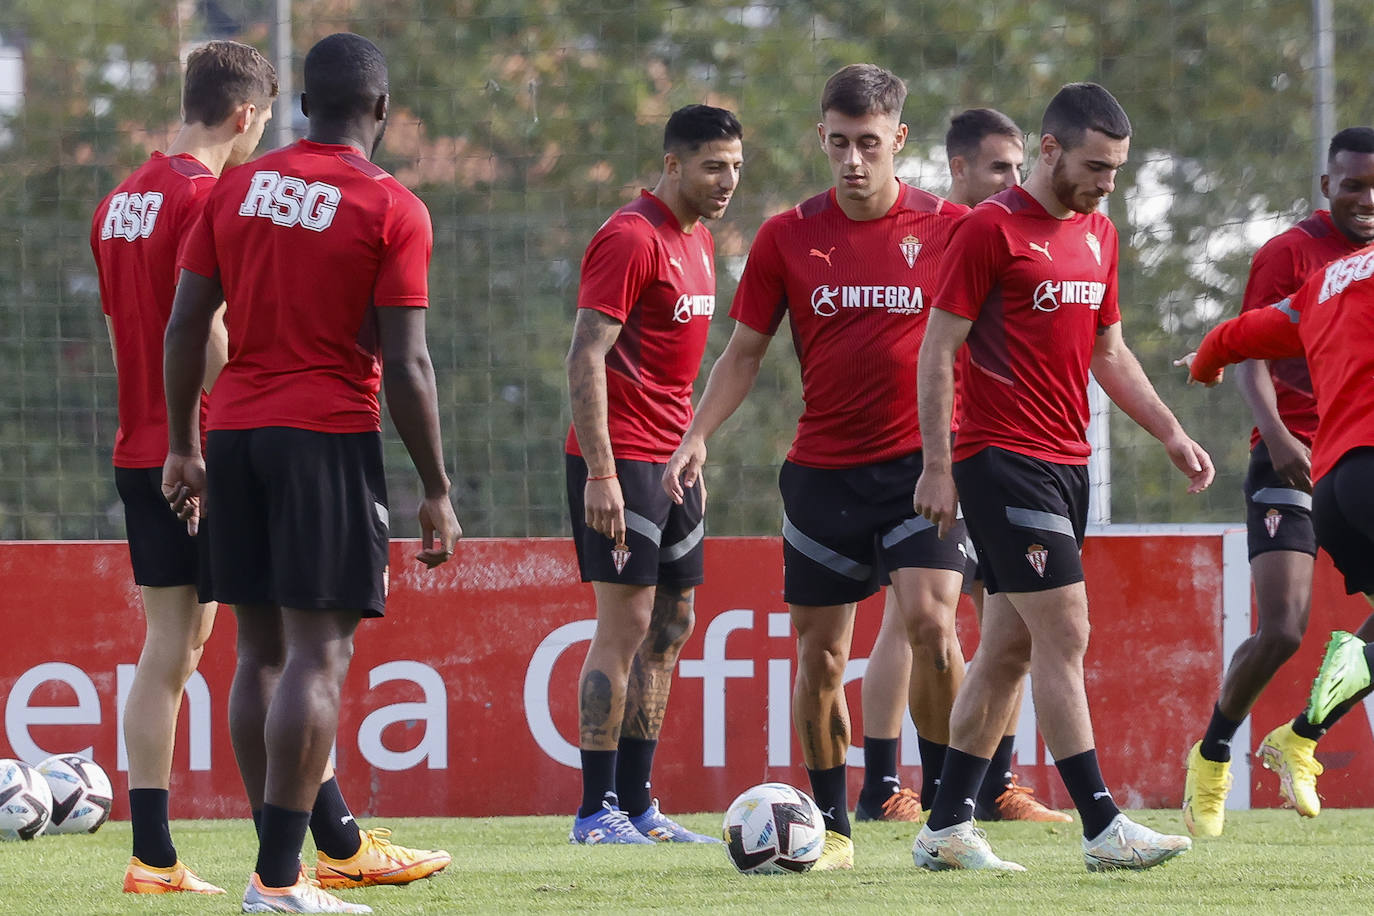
842, 527
1278, 516
666, 541
1026, 517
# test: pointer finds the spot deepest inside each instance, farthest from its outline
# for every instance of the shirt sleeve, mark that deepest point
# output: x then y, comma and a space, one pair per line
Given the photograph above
1109, 312
96, 221
197, 252
761, 299
617, 267
407, 244
973, 263
1273, 275
1266, 333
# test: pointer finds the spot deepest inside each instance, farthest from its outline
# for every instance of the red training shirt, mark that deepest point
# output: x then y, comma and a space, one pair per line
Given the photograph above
136, 234
1280, 267
306, 241
1037, 290
1331, 321
854, 293
660, 283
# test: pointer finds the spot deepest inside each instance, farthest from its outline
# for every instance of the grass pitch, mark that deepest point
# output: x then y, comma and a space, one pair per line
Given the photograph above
1268, 861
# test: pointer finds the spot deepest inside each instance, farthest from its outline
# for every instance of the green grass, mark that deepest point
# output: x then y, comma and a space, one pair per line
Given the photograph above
1268, 861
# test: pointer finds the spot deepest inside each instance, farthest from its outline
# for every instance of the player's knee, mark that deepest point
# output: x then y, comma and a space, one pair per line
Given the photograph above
822, 661
1279, 642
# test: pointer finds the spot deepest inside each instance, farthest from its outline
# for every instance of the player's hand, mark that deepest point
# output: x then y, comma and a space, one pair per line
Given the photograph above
604, 505
439, 531
1187, 363
1193, 460
684, 469
937, 499
1291, 459
183, 486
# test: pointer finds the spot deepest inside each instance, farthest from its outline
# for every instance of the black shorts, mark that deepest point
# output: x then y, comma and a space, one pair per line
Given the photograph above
1277, 516
300, 519
973, 570
162, 553
1026, 517
666, 541
1343, 513
843, 527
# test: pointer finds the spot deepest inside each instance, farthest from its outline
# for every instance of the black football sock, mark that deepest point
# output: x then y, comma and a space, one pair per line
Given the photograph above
279, 850
634, 763
332, 825
998, 776
148, 818
830, 792
598, 781
880, 772
1083, 778
1216, 743
959, 781
932, 765
257, 823
1305, 728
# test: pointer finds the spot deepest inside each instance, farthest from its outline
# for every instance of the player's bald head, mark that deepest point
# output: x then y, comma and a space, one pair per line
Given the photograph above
345, 75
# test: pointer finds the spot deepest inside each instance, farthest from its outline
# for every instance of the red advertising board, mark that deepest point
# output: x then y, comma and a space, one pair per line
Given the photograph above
461, 702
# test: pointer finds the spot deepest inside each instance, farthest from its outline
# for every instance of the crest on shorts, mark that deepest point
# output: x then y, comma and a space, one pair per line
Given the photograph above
911, 247
620, 555
1037, 555
1094, 246
1271, 521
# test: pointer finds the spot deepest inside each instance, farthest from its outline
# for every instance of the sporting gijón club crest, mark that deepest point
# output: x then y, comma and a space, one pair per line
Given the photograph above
1271, 521
620, 555
1037, 555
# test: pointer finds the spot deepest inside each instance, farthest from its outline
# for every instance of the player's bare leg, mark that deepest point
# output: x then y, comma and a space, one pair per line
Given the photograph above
623, 613
1283, 596
261, 654
928, 599
177, 627
302, 722
1001, 796
821, 717
884, 692
646, 702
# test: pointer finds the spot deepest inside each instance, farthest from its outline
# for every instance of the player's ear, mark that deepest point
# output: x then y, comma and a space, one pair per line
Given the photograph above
1049, 146
820, 132
672, 165
244, 116
305, 105
383, 106
958, 167
899, 138
1326, 186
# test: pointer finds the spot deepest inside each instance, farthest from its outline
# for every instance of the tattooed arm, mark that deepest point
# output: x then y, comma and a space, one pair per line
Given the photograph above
594, 333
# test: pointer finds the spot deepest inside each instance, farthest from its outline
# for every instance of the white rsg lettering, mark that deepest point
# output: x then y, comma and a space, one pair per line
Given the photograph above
288, 201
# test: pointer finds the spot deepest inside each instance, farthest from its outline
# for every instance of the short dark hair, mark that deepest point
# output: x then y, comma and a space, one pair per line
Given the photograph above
861, 89
968, 128
345, 74
1352, 139
692, 125
220, 76
1081, 107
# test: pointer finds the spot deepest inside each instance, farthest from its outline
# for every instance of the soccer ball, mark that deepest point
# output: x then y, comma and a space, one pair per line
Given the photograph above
81, 795
773, 828
25, 801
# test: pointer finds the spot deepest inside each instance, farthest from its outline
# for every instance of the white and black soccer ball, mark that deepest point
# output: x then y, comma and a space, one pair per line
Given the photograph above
773, 828
81, 795
25, 801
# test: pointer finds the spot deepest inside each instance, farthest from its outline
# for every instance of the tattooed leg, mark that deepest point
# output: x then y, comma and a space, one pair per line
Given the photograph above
819, 710
622, 620
651, 672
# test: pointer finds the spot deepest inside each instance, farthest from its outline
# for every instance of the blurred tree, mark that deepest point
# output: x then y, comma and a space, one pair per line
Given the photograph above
523, 125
